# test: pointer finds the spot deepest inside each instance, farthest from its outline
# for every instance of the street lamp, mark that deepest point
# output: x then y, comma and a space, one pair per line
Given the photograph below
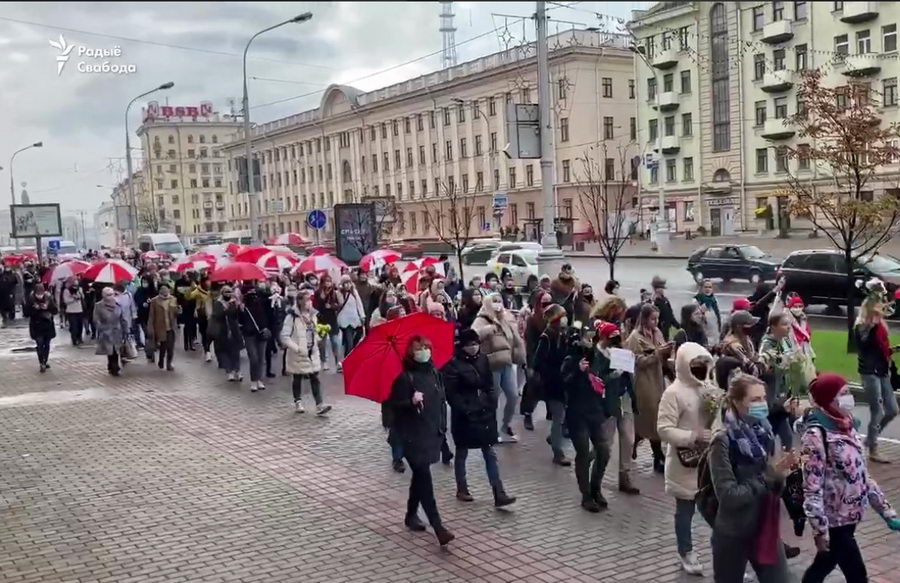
131, 200
12, 187
254, 213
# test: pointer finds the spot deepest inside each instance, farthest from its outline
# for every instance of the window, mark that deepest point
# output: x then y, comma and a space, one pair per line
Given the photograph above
863, 42
193, 183
434, 153
492, 106
448, 150
607, 128
386, 160
420, 123
409, 157
683, 34
838, 5
762, 160
777, 11
406, 125
780, 107
512, 177
493, 142
721, 110
465, 183
650, 47
609, 168
654, 175
529, 209
171, 139
566, 171
424, 187
842, 97
654, 129
669, 125
478, 149
563, 129
396, 161
529, 175
412, 222
781, 159
889, 38
387, 190
632, 128
778, 59
607, 86
479, 181
670, 169
496, 178
688, 169
173, 184
800, 11
760, 112
463, 148
631, 89
421, 155
526, 95
666, 40
561, 89
800, 52
446, 116
803, 157
395, 130
686, 81
431, 119
759, 66
841, 47
651, 88
687, 124
374, 165
668, 82
634, 167
460, 113
889, 91
759, 18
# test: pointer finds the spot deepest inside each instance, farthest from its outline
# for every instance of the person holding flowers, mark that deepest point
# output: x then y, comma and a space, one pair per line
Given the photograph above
778, 356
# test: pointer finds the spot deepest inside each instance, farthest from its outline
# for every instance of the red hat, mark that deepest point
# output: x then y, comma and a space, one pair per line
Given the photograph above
606, 329
825, 388
740, 304
794, 302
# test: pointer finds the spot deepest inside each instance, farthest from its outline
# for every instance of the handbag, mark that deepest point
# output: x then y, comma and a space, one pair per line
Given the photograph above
690, 456
767, 541
129, 348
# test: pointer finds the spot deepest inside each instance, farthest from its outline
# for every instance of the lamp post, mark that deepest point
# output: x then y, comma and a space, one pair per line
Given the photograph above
251, 187
12, 187
132, 202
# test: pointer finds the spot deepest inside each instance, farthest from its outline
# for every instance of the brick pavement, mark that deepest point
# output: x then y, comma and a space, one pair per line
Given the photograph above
183, 477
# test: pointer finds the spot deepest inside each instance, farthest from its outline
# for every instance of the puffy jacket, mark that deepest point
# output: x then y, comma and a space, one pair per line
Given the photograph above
473, 401
295, 337
500, 340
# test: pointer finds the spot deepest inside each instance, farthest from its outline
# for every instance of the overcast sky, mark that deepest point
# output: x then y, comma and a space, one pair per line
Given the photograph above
79, 116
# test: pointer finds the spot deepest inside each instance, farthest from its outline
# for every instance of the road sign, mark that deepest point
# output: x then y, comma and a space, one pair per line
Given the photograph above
316, 219
53, 245
501, 200
486, 226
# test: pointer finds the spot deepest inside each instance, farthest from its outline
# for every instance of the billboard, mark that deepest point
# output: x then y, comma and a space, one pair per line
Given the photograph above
356, 231
35, 220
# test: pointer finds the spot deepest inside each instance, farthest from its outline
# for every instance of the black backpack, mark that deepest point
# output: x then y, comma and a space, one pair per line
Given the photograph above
705, 499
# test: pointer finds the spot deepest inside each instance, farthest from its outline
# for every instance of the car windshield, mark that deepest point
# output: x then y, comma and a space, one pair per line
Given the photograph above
530, 256
172, 247
880, 263
751, 252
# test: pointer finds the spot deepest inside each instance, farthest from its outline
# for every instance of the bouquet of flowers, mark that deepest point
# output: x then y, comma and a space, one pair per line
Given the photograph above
711, 401
322, 330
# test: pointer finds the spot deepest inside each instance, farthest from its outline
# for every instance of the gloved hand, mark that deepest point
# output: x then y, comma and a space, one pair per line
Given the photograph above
893, 523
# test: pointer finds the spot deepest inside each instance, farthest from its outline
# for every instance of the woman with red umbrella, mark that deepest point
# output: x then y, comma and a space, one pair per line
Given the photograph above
419, 409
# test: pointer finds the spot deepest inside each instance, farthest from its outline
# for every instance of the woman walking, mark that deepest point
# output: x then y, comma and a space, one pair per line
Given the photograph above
327, 302
111, 327
202, 299
225, 330
351, 316
534, 327
837, 486
255, 328
747, 482
142, 297
163, 325
73, 305
473, 414
709, 307
298, 336
549, 356
692, 328
40, 309
776, 353
419, 410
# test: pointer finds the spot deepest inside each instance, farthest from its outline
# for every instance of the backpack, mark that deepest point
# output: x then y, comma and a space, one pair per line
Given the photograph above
793, 488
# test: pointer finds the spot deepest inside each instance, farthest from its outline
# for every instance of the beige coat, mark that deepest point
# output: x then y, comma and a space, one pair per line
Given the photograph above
680, 416
294, 337
163, 317
649, 382
500, 340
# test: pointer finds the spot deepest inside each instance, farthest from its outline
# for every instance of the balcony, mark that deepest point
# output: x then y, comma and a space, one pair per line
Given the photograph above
775, 129
207, 204
220, 205
861, 65
778, 32
668, 101
777, 81
856, 12
669, 144
665, 59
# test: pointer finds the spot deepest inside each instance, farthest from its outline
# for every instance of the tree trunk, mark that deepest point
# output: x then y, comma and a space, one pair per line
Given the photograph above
851, 305
612, 267
462, 278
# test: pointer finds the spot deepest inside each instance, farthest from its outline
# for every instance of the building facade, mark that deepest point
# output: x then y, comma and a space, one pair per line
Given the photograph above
105, 225
716, 81
414, 142
185, 185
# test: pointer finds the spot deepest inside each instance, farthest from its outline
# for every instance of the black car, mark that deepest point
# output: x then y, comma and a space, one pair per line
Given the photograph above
819, 276
479, 253
733, 262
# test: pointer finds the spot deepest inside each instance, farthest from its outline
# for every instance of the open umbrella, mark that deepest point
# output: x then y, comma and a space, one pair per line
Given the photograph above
289, 239
238, 271
195, 265
110, 271
233, 249
69, 269
154, 256
371, 367
424, 262
202, 256
378, 258
251, 254
411, 279
275, 261
319, 264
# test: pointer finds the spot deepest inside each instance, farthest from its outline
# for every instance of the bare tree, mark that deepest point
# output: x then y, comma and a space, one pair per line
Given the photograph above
604, 200
848, 145
451, 214
148, 220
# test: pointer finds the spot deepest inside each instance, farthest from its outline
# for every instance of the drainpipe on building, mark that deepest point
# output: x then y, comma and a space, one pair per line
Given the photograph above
743, 201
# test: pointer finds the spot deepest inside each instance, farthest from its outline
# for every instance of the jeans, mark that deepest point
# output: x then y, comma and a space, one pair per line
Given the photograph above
589, 467
351, 337
314, 385
202, 323
421, 491
624, 426
76, 327
557, 410
684, 515
256, 347
166, 349
490, 465
730, 558
844, 553
43, 348
396, 450
135, 331
335, 340
505, 380
882, 405
271, 350
782, 424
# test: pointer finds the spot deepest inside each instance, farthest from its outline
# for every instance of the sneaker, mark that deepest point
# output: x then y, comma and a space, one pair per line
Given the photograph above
507, 436
875, 457
464, 496
322, 409
253, 386
590, 504
260, 386
443, 535
298, 407
231, 377
340, 367
325, 366
562, 460
170, 368
43, 367
691, 564
207, 357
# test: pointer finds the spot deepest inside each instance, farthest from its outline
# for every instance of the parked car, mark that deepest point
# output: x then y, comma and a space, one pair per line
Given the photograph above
520, 245
819, 276
408, 249
518, 264
733, 262
479, 253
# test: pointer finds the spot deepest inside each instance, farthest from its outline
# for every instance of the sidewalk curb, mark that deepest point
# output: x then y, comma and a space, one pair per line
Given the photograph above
642, 256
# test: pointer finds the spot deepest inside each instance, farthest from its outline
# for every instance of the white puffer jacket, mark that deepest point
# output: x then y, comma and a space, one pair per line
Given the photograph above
295, 338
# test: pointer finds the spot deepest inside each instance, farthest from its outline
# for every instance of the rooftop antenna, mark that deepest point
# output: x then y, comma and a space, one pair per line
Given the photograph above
448, 32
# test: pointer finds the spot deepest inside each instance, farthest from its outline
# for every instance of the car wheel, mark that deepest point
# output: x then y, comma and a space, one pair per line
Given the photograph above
755, 277
698, 276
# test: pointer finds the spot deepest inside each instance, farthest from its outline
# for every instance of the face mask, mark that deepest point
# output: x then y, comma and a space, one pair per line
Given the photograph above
313, 283
145, 284
563, 322
390, 300
797, 312
758, 410
226, 297
422, 355
699, 372
846, 403
164, 292
471, 349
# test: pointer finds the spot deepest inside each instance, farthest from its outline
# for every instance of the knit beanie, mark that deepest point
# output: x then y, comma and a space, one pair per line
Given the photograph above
468, 336
825, 388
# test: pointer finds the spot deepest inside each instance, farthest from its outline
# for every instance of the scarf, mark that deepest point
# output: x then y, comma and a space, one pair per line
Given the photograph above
801, 331
752, 439
836, 421
710, 302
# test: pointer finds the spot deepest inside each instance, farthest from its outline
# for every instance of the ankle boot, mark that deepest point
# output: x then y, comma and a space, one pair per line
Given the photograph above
463, 494
589, 504
626, 486
414, 523
443, 535
501, 498
528, 423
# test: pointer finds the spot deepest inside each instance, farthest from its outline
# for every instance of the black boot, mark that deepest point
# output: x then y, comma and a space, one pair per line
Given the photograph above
398, 466
529, 422
626, 486
599, 499
414, 524
463, 495
443, 535
501, 498
589, 504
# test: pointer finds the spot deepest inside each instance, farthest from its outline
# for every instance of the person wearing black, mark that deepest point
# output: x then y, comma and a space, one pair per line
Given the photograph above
511, 300
92, 292
666, 314
534, 327
256, 330
275, 312
761, 302
691, 327
469, 308
8, 283
142, 297
188, 307
40, 309
473, 414
548, 359
419, 423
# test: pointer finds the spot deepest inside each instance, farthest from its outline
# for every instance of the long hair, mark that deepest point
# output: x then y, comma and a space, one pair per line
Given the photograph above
610, 309
647, 310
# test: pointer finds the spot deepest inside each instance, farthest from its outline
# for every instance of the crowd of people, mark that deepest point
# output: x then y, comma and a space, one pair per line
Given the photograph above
739, 417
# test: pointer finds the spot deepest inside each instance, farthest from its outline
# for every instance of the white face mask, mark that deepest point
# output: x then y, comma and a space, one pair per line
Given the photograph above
797, 312
422, 355
846, 403
563, 322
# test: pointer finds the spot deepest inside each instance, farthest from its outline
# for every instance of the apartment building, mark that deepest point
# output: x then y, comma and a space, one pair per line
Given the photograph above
717, 79
414, 140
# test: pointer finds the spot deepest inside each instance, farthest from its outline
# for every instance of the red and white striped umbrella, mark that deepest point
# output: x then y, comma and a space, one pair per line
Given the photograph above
421, 264
378, 258
276, 261
110, 271
238, 271
411, 279
154, 256
320, 264
233, 248
69, 269
202, 256
289, 239
251, 254
195, 265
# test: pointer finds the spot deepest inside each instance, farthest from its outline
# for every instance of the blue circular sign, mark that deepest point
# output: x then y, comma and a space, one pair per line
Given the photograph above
316, 219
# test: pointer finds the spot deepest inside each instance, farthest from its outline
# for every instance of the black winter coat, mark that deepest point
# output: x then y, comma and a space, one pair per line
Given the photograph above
585, 407
40, 316
548, 360
869, 356
666, 315
473, 402
254, 318
420, 430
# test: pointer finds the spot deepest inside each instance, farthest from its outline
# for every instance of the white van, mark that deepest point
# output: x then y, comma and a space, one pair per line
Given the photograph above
239, 237
163, 242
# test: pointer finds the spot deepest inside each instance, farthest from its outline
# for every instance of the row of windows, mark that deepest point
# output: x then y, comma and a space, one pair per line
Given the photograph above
778, 12
191, 154
201, 138
687, 126
864, 42
669, 84
668, 40
606, 88
192, 168
192, 183
671, 169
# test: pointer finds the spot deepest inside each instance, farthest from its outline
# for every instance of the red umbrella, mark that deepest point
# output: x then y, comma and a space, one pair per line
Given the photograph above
110, 271
378, 258
371, 367
69, 269
154, 256
289, 239
251, 254
275, 261
196, 265
421, 263
411, 279
233, 249
202, 256
320, 263
238, 271
13, 260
